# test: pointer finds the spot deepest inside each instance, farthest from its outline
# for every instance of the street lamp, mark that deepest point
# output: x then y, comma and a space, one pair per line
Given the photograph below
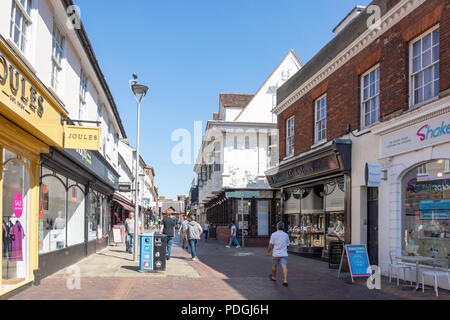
139, 91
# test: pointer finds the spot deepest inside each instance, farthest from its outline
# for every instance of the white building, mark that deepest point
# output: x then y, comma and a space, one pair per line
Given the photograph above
239, 145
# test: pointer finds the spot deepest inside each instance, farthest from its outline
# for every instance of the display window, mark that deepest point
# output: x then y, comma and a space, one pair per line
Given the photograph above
15, 219
53, 213
316, 214
61, 214
242, 221
75, 214
426, 210
94, 216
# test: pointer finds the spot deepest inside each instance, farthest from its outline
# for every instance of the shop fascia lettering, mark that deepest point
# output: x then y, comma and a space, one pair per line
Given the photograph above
29, 99
428, 132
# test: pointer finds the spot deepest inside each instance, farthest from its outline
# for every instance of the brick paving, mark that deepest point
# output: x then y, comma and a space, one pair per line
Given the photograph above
219, 274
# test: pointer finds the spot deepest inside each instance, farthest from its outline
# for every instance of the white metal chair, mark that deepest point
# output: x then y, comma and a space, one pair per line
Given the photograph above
398, 265
440, 268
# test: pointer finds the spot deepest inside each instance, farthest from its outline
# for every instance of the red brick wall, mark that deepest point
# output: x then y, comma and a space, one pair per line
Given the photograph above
223, 236
391, 51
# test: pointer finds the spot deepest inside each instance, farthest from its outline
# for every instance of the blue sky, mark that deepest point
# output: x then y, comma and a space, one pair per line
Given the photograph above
188, 52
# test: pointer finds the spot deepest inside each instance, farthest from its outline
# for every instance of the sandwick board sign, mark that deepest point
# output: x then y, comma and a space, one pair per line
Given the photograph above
358, 261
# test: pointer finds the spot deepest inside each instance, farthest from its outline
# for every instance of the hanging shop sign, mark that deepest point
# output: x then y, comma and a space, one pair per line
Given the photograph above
373, 174
25, 101
85, 138
424, 134
125, 187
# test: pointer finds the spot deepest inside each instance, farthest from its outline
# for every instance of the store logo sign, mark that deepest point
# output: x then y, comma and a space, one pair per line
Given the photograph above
19, 90
428, 132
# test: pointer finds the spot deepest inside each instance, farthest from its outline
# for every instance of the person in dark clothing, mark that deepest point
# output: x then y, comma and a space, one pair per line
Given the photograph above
168, 228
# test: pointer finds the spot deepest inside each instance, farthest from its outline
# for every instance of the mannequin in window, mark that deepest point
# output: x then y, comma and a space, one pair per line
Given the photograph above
60, 224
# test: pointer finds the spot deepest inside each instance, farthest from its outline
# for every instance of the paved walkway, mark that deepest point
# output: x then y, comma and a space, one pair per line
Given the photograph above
219, 274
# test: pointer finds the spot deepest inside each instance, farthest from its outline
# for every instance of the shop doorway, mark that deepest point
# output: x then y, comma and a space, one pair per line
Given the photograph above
15, 203
372, 225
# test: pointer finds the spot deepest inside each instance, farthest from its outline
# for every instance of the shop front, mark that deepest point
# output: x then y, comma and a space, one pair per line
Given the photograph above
254, 212
30, 123
415, 197
315, 204
74, 216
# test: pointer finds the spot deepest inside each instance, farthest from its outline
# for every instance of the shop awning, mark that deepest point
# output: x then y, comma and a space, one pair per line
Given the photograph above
125, 206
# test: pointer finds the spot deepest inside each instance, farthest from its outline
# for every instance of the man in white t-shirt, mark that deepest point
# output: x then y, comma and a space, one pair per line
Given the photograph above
233, 236
279, 241
205, 230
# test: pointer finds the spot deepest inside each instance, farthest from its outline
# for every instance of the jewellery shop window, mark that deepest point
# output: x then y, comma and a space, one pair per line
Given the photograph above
15, 220
306, 218
426, 210
52, 213
335, 211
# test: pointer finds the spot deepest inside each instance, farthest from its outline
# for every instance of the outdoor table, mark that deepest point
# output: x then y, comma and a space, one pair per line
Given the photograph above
416, 260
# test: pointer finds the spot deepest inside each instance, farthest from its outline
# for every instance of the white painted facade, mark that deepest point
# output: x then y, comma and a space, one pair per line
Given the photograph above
241, 137
37, 54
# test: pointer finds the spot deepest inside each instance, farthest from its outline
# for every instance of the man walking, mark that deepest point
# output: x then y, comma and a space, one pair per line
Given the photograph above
194, 231
279, 241
183, 233
205, 229
129, 230
168, 228
233, 238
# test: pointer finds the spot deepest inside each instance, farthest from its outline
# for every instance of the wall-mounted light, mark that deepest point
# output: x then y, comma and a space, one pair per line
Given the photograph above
384, 175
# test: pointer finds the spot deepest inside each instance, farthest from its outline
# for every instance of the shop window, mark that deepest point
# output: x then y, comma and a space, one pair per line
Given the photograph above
75, 215
426, 211
52, 216
94, 216
243, 216
424, 62
263, 218
15, 222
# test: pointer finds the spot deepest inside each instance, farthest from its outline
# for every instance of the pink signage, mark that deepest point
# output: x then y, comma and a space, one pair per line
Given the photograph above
18, 205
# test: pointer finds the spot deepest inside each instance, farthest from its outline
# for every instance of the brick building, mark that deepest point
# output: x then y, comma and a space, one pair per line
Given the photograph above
376, 97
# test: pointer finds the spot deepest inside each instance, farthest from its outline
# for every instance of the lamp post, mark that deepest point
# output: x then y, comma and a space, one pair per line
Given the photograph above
139, 91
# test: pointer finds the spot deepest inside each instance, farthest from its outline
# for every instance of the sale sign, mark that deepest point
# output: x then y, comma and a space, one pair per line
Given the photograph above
18, 205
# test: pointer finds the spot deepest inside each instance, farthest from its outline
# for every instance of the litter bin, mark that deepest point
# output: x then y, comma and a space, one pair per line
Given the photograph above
152, 252
159, 249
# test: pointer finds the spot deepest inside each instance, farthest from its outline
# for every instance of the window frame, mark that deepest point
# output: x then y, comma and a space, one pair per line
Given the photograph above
364, 125
26, 20
55, 78
412, 103
316, 120
290, 129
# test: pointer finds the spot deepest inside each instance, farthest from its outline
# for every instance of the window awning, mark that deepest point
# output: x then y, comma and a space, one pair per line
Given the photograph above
125, 206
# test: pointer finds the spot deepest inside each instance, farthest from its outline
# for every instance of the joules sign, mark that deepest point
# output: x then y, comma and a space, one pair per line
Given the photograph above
424, 134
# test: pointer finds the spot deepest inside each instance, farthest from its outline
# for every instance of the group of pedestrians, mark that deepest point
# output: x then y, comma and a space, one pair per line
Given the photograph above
191, 231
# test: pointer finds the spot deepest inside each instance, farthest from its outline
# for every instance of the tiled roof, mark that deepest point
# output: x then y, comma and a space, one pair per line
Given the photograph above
235, 100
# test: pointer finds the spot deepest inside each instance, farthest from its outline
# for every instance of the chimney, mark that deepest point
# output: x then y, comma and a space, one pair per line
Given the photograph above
216, 116
348, 19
